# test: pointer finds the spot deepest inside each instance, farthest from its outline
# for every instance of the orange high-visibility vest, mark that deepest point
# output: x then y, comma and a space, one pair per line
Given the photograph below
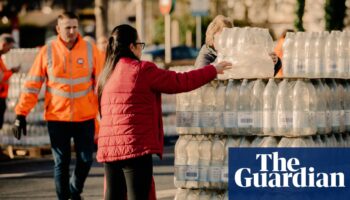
4, 78
279, 52
69, 76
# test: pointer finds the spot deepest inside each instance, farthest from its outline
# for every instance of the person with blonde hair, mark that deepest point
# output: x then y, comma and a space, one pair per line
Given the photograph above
208, 53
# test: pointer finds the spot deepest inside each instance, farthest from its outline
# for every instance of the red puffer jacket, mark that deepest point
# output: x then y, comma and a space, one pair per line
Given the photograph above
131, 123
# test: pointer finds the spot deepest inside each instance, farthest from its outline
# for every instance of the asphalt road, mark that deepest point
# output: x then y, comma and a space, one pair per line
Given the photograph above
33, 179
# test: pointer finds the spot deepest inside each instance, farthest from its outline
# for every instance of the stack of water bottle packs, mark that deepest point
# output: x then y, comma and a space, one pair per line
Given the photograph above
309, 107
255, 113
36, 128
317, 54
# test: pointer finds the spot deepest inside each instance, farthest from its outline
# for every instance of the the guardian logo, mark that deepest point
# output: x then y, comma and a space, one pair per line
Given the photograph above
279, 172
296, 173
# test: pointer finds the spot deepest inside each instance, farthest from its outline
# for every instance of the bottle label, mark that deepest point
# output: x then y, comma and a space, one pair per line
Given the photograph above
335, 117
245, 119
269, 119
230, 119
224, 174
192, 173
284, 119
347, 117
312, 119
257, 119
215, 174
180, 172
184, 118
300, 119
203, 173
218, 119
206, 119
195, 119
321, 119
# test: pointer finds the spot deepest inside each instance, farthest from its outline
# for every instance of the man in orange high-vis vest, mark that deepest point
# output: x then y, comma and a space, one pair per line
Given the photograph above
6, 44
69, 67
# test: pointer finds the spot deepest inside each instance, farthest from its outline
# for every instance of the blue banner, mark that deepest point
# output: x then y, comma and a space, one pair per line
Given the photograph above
289, 173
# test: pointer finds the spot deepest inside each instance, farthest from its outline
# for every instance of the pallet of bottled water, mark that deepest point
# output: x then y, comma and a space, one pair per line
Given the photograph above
23, 57
273, 107
201, 161
316, 54
254, 113
37, 134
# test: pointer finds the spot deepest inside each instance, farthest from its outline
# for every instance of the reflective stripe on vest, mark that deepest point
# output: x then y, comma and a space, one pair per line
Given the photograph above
71, 95
68, 81
35, 78
31, 90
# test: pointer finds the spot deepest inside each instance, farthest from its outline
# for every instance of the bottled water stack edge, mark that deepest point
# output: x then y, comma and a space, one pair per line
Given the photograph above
201, 162
316, 55
288, 107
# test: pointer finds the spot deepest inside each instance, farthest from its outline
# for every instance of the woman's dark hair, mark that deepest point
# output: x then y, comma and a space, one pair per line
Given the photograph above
118, 47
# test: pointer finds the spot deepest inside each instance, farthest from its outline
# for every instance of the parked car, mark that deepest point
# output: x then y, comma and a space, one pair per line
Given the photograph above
178, 53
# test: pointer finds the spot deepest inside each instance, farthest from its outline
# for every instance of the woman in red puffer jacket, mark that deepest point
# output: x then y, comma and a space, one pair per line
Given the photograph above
131, 128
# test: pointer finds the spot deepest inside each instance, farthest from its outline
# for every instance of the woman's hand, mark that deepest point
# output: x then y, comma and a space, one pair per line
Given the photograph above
222, 66
273, 57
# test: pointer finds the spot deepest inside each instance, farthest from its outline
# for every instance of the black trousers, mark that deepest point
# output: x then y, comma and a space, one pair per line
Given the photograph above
2, 111
131, 178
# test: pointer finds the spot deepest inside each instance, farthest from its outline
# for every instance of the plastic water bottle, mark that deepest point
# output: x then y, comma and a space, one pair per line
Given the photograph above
208, 109
299, 55
216, 196
328, 106
310, 54
342, 54
341, 98
335, 106
331, 55
219, 108
301, 98
288, 54
269, 109
257, 105
181, 161
204, 161
269, 142
230, 114
204, 195
320, 42
312, 130
183, 113
196, 102
193, 195
181, 194
245, 115
347, 107
217, 162
231, 142
192, 173
246, 141
257, 141
284, 109
321, 108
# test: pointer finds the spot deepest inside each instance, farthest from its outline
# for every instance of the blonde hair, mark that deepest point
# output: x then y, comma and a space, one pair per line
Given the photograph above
218, 23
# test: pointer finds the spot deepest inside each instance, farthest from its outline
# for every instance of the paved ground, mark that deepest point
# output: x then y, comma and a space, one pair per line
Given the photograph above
32, 179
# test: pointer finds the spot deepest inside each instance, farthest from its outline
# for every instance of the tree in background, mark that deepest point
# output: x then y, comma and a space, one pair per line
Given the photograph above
298, 23
335, 14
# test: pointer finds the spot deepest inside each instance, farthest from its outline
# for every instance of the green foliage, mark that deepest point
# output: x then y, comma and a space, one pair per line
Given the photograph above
298, 23
335, 14
159, 31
